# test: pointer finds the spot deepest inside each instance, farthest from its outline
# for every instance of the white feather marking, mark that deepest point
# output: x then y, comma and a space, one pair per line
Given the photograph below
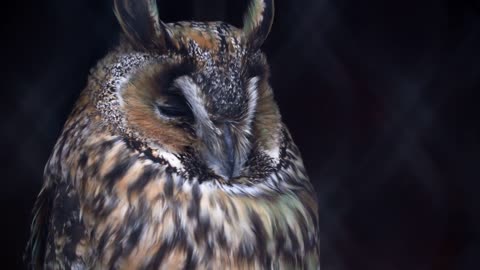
252, 101
207, 187
273, 152
194, 97
120, 87
171, 159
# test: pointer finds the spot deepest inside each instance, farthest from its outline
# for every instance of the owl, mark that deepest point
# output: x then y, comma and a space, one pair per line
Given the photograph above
175, 157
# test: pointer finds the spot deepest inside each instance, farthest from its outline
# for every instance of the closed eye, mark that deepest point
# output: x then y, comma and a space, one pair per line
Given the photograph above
172, 112
174, 106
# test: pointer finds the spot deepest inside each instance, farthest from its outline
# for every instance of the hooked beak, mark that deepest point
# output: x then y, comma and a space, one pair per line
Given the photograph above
219, 151
221, 145
229, 151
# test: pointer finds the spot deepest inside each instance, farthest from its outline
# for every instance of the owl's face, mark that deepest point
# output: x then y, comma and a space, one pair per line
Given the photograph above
195, 92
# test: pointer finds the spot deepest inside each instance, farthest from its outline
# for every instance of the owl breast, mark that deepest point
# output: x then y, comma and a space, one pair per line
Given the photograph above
145, 215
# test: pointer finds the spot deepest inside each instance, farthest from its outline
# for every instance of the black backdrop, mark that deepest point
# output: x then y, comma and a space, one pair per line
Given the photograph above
380, 96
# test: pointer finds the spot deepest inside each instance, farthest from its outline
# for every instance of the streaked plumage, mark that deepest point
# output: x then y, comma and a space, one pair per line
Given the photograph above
175, 157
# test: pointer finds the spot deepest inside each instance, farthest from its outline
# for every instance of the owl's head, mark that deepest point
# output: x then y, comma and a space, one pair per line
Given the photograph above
193, 93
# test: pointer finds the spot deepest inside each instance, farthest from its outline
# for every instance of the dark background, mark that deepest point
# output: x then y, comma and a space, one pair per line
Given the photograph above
380, 96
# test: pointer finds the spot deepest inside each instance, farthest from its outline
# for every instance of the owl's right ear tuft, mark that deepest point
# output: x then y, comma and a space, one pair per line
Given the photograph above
141, 24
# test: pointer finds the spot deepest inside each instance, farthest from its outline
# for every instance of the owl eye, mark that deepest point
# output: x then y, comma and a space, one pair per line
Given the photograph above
174, 106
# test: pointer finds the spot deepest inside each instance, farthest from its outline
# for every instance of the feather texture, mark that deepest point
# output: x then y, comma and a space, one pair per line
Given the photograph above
258, 21
140, 22
177, 158
36, 245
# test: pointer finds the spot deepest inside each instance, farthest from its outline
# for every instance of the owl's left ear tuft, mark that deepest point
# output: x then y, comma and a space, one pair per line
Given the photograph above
140, 22
257, 22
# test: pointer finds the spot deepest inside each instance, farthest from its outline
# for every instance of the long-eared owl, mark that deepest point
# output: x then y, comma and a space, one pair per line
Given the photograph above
175, 157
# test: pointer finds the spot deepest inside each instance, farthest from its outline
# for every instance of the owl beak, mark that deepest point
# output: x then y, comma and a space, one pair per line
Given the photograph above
219, 150
229, 151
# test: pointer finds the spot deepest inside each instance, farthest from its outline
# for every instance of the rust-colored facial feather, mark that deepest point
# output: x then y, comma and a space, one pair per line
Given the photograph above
140, 97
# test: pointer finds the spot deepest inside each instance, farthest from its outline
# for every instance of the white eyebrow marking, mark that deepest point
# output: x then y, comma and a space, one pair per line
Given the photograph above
196, 101
252, 101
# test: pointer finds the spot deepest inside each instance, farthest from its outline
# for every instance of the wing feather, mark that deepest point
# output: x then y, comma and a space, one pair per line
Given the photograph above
35, 250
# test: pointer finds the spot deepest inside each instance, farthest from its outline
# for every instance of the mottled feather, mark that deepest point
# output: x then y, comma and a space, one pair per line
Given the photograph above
175, 157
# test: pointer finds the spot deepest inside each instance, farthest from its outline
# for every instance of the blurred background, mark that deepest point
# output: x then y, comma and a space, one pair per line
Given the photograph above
380, 96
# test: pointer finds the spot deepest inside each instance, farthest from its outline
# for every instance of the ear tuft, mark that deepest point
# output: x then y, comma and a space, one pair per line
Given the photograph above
258, 21
141, 24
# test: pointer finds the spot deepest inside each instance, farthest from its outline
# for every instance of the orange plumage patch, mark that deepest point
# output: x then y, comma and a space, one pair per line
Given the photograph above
139, 100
